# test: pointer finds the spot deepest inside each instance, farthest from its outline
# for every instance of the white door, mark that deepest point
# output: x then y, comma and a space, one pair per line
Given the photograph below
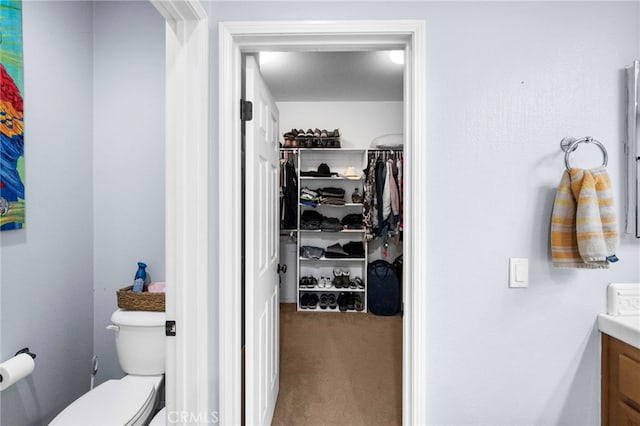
261, 252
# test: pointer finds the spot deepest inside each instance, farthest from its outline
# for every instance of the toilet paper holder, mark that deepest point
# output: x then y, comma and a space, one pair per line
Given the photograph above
26, 351
10, 379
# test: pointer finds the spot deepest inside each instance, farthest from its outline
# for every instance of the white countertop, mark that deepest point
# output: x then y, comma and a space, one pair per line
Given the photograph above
625, 328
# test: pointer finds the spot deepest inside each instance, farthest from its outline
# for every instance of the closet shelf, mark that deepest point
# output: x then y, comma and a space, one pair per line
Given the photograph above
330, 178
333, 290
318, 309
297, 148
335, 205
332, 149
334, 259
344, 231
337, 159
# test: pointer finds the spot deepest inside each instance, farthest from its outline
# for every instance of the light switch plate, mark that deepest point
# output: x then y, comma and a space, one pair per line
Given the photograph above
518, 272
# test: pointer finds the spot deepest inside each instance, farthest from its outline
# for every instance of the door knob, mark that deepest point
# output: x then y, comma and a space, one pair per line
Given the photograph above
282, 268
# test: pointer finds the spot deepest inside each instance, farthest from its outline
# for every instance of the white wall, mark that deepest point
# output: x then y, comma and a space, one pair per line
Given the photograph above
505, 82
128, 158
47, 268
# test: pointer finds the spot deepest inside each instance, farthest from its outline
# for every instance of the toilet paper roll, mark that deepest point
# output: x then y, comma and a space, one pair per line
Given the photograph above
14, 369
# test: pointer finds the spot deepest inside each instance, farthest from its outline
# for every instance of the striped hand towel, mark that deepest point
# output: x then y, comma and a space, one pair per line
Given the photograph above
584, 230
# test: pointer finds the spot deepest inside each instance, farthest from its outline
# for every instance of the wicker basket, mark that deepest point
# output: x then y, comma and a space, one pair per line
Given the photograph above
144, 301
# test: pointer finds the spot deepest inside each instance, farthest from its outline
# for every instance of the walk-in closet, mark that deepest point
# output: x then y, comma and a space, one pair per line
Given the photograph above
341, 235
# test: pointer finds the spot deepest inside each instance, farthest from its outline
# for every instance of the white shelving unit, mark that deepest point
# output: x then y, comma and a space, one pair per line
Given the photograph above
338, 160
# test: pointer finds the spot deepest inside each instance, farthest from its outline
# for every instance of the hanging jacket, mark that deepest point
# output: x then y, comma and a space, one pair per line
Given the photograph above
290, 197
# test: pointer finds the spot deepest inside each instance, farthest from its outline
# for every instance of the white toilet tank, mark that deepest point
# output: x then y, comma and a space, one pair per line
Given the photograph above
140, 341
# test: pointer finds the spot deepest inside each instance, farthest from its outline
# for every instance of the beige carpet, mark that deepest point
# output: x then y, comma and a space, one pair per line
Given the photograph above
339, 369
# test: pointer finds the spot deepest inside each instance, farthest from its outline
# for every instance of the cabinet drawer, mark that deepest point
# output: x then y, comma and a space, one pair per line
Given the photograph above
629, 378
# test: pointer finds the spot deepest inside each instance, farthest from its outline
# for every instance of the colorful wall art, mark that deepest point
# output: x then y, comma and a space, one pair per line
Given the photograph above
11, 116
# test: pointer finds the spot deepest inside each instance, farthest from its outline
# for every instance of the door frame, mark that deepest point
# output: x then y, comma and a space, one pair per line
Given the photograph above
187, 210
236, 38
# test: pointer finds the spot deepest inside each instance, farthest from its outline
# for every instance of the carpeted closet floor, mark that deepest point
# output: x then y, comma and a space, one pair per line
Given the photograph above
339, 369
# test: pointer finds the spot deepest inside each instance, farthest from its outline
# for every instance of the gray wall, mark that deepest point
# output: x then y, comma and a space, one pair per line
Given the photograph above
505, 82
128, 158
94, 100
47, 268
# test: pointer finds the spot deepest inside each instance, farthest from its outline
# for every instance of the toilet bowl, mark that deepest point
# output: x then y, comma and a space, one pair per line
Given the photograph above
133, 399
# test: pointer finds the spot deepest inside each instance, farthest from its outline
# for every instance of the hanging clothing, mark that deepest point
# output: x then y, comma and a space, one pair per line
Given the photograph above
288, 192
370, 210
383, 197
379, 180
393, 189
386, 194
401, 192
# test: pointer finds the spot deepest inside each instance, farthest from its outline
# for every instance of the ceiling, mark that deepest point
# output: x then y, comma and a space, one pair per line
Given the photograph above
332, 76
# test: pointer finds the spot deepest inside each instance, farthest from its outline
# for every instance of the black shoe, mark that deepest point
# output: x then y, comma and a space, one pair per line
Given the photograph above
304, 301
313, 282
337, 278
332, 301
350, 302
342, 302
324, 301
313, 301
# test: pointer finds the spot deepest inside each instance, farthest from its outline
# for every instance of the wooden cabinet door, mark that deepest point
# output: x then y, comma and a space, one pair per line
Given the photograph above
620, 383
627, 416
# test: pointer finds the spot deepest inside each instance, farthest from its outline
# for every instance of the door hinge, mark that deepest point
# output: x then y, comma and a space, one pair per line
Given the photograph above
246, 110
170, 328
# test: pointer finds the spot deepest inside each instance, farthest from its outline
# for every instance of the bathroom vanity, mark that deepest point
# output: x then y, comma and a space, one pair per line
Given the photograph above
620, 328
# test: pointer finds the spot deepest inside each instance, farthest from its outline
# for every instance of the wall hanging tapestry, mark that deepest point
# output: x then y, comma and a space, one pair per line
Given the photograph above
11, 116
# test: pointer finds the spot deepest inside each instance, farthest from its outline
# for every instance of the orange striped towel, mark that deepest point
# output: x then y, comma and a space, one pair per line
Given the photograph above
584, 230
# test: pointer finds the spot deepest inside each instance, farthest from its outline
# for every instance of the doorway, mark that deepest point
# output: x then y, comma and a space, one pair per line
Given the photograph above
340, 363
251, 37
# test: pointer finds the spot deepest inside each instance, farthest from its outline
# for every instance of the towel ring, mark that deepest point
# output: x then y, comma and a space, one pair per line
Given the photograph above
570, 144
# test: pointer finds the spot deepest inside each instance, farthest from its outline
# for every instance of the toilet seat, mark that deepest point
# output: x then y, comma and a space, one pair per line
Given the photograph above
115, 402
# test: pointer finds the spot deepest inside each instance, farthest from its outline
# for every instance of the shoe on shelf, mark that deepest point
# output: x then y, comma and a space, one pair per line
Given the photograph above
327, 282
321, 282
353, 285
304, 301
332, 301
337, 280
324, 301
351, 302
313, 301
342, 302
345, 278
313, 282
359, 282
358, 303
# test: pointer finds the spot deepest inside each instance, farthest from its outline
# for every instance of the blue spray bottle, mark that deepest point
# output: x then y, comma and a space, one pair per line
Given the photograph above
141, 275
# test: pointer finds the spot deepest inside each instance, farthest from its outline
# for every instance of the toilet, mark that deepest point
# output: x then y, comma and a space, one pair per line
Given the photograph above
133, 399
